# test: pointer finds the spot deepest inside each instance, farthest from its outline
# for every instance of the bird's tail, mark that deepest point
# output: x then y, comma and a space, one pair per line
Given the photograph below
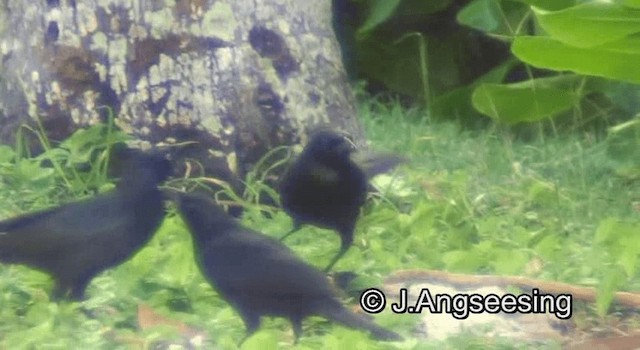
344, 316
12, 240
377, 163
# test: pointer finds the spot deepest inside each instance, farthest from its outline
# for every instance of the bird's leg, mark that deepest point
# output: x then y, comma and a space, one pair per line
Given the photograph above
347, 239
343, 280
90, 314
77, 294
251, 323
335, 259
296, 227
78, 288
296, 324
59, 291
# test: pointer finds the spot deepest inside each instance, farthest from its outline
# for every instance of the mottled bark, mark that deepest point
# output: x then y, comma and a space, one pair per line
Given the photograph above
237, 76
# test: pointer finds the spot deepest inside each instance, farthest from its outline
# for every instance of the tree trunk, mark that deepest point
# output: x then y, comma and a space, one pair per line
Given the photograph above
239, 77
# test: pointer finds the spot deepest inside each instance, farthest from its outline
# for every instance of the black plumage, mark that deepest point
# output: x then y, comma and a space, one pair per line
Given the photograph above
325, 187
76, 241
260, 276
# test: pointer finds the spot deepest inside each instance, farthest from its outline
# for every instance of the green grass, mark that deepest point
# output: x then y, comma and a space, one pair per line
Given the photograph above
471, 202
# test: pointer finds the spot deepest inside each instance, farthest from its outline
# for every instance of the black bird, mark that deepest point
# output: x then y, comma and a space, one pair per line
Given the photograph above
325, 187
258, 275
76, 241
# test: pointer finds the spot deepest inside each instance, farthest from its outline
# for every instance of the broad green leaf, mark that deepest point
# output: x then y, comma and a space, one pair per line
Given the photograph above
628, 259
509, 261
542, 193
552, 5
380, 11
7, 154
606, 230
82, 143
610, 282
548, 246
57, 155
590, 24
457, 102
635, 4
629, 45
617, 60
30, 171
529, 101
498, 73
484, 15
421, 7
622, 240
462, 260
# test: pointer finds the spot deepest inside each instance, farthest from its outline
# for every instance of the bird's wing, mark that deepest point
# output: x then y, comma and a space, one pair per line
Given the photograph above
308, 172
249, 262
52, 231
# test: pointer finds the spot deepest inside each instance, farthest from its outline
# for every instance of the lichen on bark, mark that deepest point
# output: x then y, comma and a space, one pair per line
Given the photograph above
238, 77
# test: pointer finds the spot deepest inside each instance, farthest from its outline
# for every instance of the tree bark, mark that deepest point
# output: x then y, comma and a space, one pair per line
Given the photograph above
237, 76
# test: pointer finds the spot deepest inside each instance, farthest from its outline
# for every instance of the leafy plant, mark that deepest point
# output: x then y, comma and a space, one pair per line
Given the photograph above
75, 168
568, 59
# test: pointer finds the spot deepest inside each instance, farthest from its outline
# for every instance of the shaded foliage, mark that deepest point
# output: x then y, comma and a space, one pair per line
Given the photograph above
570, 60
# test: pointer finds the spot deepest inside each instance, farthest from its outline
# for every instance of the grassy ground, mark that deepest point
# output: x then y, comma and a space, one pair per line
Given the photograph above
562, 208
